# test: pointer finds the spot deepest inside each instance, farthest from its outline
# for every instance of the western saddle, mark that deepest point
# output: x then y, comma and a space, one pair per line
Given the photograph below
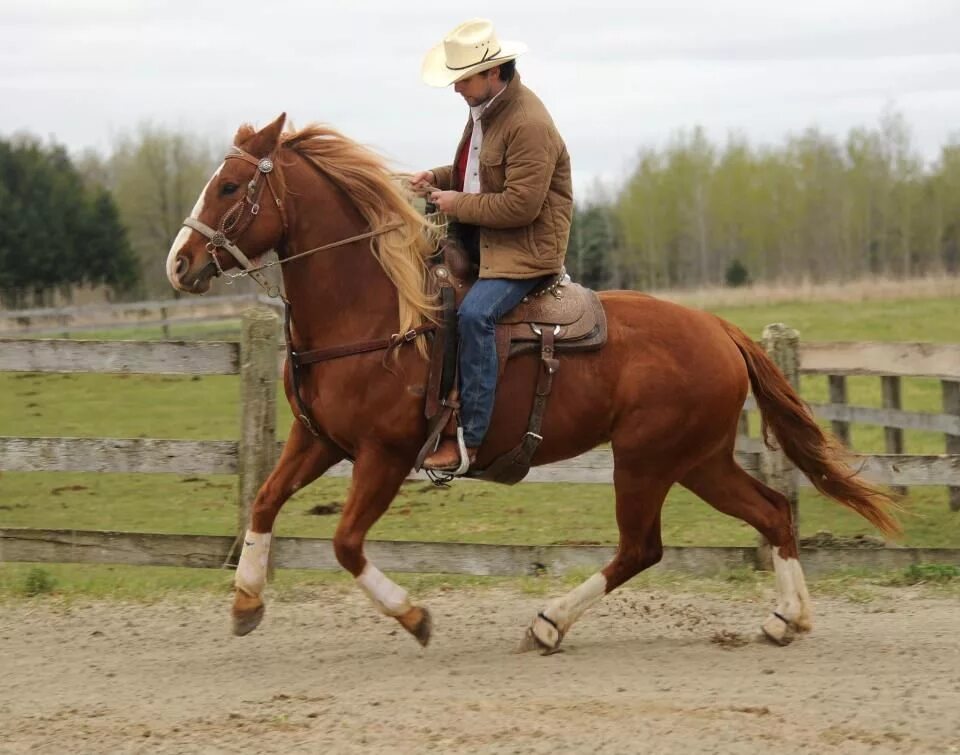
557, 316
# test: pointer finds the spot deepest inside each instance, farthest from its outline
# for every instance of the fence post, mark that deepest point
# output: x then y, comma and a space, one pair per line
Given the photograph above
782, 345
838, 395
951, 405
892, 436
256, 454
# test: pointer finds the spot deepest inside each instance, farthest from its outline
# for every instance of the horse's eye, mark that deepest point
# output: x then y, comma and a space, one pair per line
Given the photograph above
229, 188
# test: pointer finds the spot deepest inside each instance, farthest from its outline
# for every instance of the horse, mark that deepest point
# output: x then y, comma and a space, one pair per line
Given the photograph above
665, 392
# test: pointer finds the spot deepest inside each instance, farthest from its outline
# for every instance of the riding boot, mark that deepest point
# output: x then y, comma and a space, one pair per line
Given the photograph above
447, 456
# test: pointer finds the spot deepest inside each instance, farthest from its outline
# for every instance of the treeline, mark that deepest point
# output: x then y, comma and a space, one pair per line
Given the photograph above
55, 230
691, 213
95, 220
817, 207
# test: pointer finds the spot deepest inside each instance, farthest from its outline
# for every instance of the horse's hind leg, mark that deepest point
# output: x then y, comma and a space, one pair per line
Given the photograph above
640, 496
303, 460
726, 487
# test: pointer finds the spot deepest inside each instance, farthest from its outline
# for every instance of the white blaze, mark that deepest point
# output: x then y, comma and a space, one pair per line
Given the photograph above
184, 234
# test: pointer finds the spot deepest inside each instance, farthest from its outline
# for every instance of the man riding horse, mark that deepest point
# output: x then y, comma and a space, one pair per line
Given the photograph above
510, 195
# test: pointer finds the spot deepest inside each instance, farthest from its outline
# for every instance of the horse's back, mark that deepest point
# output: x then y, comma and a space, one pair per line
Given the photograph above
673, 352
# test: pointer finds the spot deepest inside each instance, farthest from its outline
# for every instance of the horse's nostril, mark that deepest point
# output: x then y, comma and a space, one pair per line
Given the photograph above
182, 266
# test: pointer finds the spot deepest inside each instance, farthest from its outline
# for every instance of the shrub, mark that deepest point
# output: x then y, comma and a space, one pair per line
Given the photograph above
736, 274
38, 581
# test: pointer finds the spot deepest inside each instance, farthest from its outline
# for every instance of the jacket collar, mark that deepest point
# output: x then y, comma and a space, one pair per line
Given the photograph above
503, 99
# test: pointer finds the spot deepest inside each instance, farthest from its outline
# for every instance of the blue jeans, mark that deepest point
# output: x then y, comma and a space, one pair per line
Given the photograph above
485, 303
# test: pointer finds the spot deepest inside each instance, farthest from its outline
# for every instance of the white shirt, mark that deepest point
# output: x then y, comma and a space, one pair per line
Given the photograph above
471, 178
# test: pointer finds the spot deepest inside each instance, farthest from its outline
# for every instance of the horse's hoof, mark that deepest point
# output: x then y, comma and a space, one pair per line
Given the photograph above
777, 630
419, 623
247, 613
542, 637
804, 623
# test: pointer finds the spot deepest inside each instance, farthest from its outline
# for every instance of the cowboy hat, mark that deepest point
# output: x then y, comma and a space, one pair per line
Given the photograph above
470, 48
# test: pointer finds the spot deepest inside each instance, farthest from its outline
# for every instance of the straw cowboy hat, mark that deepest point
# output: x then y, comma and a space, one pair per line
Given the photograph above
470, 48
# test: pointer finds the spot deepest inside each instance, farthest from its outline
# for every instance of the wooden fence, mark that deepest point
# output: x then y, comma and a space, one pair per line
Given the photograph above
64, 321
252, 457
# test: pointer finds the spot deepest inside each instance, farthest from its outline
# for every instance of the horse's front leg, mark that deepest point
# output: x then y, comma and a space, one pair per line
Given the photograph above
377, 476
304, 458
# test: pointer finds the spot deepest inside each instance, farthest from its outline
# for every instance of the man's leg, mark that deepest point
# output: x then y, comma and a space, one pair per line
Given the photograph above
485, 303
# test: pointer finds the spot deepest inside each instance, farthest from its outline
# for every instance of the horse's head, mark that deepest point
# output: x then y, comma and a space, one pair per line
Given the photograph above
238, 217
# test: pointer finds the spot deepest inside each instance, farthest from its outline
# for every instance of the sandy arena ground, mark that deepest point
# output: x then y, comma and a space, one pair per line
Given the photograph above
651, 671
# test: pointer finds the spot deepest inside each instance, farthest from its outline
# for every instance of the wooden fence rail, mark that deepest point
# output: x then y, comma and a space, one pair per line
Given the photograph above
63, 321
477, 559
148, 455
254, 359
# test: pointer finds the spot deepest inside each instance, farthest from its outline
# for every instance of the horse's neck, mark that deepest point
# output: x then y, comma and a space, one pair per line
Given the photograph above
339, 295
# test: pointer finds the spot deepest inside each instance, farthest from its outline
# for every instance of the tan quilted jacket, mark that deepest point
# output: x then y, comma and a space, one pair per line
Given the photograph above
526, 201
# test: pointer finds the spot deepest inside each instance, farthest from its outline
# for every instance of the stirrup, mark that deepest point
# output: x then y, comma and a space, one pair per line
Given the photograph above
464, 456
442, 478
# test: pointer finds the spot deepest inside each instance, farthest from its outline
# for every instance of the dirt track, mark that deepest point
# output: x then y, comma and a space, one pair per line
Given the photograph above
645, 672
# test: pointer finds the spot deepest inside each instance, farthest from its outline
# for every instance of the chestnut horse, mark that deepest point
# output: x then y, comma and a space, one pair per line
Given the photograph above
666, 391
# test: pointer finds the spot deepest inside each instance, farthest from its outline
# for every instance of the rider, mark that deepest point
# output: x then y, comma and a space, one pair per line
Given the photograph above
509, 191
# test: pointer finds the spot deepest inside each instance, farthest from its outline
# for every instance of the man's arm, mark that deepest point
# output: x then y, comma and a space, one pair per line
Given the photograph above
530, 161
443, 177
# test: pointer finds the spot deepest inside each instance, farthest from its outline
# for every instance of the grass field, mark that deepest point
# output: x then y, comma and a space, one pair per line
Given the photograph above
207, 408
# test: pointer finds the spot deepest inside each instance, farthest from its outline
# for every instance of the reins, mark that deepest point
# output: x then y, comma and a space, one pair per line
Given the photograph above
235, 221
272, 290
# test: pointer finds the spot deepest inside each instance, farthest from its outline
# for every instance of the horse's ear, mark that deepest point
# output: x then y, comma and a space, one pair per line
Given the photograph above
264, 142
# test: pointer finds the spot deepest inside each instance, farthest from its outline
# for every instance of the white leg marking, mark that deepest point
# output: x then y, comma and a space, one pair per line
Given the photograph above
794, 610
805, 619
788, 603
386, 595
566, 610
184, 234
252, 569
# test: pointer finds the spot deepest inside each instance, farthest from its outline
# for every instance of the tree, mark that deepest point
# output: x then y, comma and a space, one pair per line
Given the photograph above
593, 247
156, 175
49, 226
812, 207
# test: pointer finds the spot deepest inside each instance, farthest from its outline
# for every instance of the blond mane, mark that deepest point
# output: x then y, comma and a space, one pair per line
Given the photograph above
366, 179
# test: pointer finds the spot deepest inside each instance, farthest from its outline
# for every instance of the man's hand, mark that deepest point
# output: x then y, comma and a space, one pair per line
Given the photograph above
423, 182
445, 200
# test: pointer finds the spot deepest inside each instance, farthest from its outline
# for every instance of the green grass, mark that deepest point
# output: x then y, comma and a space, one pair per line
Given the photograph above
932, 320
207, 408
541, 514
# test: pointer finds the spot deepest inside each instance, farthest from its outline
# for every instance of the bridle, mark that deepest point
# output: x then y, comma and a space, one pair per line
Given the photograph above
237, 219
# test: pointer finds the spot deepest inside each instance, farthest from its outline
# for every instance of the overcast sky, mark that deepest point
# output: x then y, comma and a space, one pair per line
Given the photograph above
616, 76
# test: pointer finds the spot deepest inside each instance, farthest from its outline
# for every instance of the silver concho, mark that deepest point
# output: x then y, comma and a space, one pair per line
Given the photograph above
218, 239
265, 165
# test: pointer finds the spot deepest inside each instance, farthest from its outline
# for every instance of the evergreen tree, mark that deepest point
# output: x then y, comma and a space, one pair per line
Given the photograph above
54, 232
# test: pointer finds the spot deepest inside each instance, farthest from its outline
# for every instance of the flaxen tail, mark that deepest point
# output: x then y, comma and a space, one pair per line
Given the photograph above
819, 456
